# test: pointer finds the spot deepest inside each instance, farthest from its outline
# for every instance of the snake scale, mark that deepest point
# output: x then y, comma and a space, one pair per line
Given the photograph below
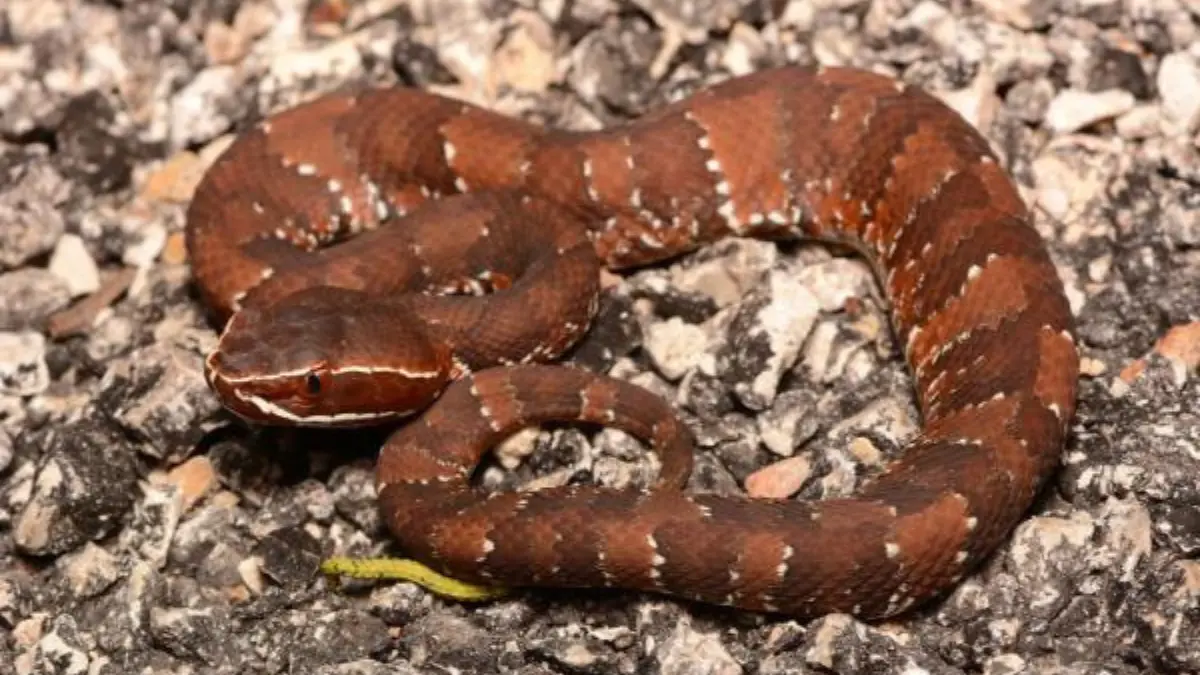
488, 271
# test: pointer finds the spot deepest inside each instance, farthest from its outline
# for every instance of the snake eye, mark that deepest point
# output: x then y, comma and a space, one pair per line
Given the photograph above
313, 382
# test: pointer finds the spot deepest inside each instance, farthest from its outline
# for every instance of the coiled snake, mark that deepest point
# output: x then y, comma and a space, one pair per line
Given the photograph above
470, 296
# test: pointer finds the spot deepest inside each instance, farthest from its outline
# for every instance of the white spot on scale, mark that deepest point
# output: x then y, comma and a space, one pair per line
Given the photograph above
782, 568
892, 549
960, 557
449, 151
306, 169
891, 251
971, 523
912, 338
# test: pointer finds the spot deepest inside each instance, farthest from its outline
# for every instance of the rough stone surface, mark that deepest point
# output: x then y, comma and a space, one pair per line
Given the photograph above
146, 531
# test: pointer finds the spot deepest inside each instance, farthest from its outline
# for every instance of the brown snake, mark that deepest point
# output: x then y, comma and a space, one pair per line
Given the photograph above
465, 297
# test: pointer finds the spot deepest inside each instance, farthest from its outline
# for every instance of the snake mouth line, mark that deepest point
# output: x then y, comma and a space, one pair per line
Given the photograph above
301, 373
278, 413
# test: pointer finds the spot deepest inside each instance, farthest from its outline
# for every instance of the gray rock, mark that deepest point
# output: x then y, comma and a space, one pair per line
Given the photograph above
1023, 14
154, 521
194, 633
206, 107
1099, 12
765, 337
694, 18
28, 296
173, 397
290, 556
688, 650
84, 486
90, 570
23, 370
6, 451
1030, 99
789, 422
29, 210
59, 650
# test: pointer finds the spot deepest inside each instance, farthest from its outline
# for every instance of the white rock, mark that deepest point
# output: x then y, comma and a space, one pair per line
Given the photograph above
1023, 14
23, 370
1179, 85
675, 346
72, 263
1074, 109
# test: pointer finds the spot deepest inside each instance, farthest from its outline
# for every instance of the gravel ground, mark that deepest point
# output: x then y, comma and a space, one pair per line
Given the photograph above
145, 531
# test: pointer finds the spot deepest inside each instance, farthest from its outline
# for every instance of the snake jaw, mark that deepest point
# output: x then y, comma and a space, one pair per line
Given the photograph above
348, 397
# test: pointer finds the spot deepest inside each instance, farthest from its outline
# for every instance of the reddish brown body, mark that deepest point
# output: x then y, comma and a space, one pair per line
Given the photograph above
835, 154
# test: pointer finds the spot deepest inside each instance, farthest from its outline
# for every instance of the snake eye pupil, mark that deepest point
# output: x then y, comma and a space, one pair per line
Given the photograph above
313, 381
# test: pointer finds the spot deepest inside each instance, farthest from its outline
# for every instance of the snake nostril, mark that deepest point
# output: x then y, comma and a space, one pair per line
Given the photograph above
313, 382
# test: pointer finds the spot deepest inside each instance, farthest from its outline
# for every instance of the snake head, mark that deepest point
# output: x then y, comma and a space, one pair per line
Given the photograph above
326, 357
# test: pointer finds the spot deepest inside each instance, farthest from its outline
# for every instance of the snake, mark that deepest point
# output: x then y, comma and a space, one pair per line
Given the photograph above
387, 255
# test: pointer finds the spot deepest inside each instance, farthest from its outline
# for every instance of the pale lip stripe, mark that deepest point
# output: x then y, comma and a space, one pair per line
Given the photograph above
303, 372
276, 412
